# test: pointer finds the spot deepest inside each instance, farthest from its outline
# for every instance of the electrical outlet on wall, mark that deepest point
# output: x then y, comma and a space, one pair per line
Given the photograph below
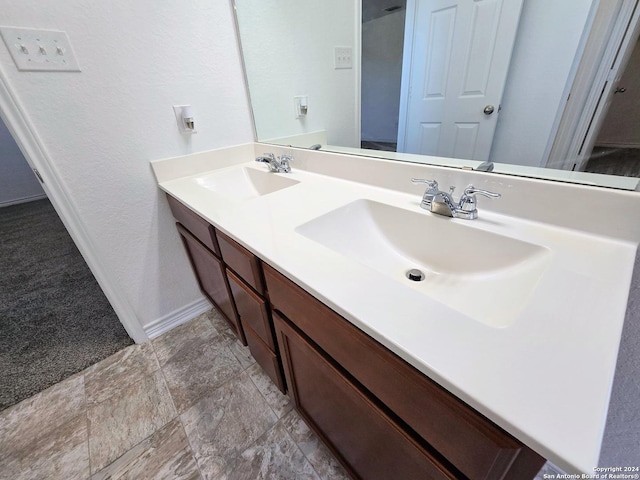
301, 105
185, 118
343, 58
40, 50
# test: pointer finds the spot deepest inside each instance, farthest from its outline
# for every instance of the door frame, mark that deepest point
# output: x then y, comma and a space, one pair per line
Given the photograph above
606, 51
407, 53
36, 155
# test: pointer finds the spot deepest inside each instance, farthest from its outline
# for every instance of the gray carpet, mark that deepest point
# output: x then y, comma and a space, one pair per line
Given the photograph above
624, 162
54, 319
384, 146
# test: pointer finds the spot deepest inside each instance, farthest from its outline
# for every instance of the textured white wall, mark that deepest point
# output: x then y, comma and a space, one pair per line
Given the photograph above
101, 127
546, 45
17, 181
382, 44
288, 48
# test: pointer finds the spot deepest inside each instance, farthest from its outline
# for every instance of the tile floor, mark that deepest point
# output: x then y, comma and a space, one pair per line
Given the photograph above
190, 404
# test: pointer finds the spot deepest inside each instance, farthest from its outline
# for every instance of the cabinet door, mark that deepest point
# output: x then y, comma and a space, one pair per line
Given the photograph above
477, 447
211, 277
241, 261
266, 358
369, 443
197, 226
255, 320
252, 309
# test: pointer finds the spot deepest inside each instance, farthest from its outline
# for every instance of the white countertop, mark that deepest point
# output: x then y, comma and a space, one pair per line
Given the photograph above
545, 377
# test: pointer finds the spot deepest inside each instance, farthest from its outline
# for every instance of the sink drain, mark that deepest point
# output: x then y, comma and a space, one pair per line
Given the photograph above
415, 275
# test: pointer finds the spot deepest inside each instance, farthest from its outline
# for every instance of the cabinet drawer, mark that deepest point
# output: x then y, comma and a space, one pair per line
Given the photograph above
197, 225
265, 358
211, 276
370, 444
241, 261
472, 443
252, 309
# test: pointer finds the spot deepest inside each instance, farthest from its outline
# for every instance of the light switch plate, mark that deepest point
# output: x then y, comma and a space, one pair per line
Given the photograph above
343, 58
39, 50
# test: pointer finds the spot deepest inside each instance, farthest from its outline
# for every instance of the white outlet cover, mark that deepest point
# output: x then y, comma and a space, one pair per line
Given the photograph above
35, 50
300, 105
178, 111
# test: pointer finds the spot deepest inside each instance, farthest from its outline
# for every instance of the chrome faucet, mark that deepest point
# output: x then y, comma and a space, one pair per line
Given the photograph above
485, 166
282, 165
442, 203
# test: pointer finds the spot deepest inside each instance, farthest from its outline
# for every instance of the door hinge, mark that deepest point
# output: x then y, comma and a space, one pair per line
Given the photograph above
35, 170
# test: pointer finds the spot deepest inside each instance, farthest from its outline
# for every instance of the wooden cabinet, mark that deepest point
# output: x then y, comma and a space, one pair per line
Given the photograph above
247, 287
255, 317
370, 443
197, 226
378, 414
464, 442
212, 278
241, 261
252, 308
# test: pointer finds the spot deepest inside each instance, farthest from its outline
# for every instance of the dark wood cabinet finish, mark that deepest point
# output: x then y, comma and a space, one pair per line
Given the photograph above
380, 416
369, 443
252, 309
211, 275
255, 318
241, 261
266, 358
198, 226
473, 444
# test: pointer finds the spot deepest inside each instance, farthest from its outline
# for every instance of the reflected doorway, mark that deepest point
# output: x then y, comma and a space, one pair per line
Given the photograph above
617, 147
382, 53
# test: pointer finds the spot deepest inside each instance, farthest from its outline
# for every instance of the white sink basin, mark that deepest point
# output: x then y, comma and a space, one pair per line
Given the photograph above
484, 275
244, 183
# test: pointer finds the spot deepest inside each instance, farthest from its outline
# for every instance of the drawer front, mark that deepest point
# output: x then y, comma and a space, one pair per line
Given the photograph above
241, 261
197, 225
252, 309
468, 440
210, 273
265, 358
369, 443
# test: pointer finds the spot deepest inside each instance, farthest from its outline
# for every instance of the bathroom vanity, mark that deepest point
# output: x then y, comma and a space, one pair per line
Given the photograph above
470, 373
380, 416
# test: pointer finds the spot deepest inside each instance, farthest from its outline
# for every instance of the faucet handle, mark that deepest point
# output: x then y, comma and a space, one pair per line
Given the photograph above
431, 184
468, 200
471, 191
285, 162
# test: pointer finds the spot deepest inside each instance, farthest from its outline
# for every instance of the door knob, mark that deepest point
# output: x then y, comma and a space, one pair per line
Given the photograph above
620, 90
488, 110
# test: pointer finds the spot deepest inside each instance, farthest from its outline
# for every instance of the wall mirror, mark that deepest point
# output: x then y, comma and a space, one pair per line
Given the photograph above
523, 87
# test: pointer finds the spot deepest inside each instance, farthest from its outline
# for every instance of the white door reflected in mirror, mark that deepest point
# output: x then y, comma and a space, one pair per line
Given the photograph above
455, 66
